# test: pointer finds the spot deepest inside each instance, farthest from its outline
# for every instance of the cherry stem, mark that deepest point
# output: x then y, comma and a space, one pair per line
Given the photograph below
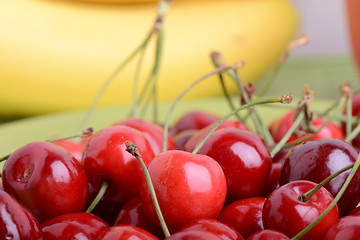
348, 115
288, 134
99, 195
269, 81
83, 134
306, 196
284, 99
333, 203
353, 133
133, 150
192, 85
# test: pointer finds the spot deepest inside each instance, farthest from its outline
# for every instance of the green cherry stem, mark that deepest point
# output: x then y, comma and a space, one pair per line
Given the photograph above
288, 134
99, 195
353, 133
348, 115
333, 203
283, 99
133, 150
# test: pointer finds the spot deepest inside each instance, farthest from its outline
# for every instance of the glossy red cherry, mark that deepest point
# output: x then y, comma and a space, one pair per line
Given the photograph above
245, 159
347, 227
315, 160
125, 232
132, 213
285, 212
194, 234
188, 187
79, 225
244, 215
274, 179
152, 132
220, 229
46, 179
268, 234
279, 128
194, 120
182, 137
17, 222
105, 159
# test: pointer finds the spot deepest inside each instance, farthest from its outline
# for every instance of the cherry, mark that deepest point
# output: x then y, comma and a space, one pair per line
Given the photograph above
279, 128
268, 234
194, 120
188, 186
74, 147
315, 160
194, 234
125, 232
132, 213
285, 212
211, 225
72, 226
17, 222
355, 113
245, 159
347, 227
152, 132
274, 178
244, 215
105, 159
46, 179
182, 137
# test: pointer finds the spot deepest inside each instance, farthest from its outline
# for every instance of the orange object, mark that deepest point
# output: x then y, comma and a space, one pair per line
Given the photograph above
353, 10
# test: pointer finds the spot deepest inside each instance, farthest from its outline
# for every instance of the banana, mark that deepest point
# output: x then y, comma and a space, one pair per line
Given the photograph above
55, 55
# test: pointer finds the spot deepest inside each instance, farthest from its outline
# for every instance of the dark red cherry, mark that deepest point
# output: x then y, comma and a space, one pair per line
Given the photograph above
72, 226
188, 187
268, 234
152, 132
17, 222
222, 230
46, 179
182, 137
274, 179
245, 159
106, 159
125, 232
285, 212
244, 215
194, 234
347, 227
315, 160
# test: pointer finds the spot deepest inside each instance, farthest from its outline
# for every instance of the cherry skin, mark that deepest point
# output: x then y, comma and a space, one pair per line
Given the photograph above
152, 132
73, 225
245, 159
194, 120
188, 186
132, 213
75, 148
222, 230
46, 179
244, 215
17, 222
106, 159
125, 232
347, 227
284, 212
279, 128
183, 137
194, 234
315, 160
268, 234
274, 179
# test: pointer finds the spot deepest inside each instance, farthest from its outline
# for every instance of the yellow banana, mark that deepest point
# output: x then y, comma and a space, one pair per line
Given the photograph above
55, 55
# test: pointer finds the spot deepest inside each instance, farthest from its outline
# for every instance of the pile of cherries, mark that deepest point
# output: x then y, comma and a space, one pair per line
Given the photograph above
232, 187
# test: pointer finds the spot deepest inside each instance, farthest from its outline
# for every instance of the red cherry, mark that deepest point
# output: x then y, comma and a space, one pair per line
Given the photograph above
72, 226
274, 179
279, 128
194, 235
315, 160
268, 234
132, 213
188, 186
355, 112
125, 232
152, 132
245, 159
283, 211
75, 148
182, 137
46, 179
244, 215
17, 222
347, 227
222, 230
105, 159
194, 120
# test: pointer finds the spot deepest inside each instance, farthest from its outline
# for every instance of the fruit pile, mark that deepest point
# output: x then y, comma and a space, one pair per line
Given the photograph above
203, 176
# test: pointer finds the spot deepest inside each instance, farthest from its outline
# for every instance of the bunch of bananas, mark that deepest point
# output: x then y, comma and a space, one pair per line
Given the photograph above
56, 54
